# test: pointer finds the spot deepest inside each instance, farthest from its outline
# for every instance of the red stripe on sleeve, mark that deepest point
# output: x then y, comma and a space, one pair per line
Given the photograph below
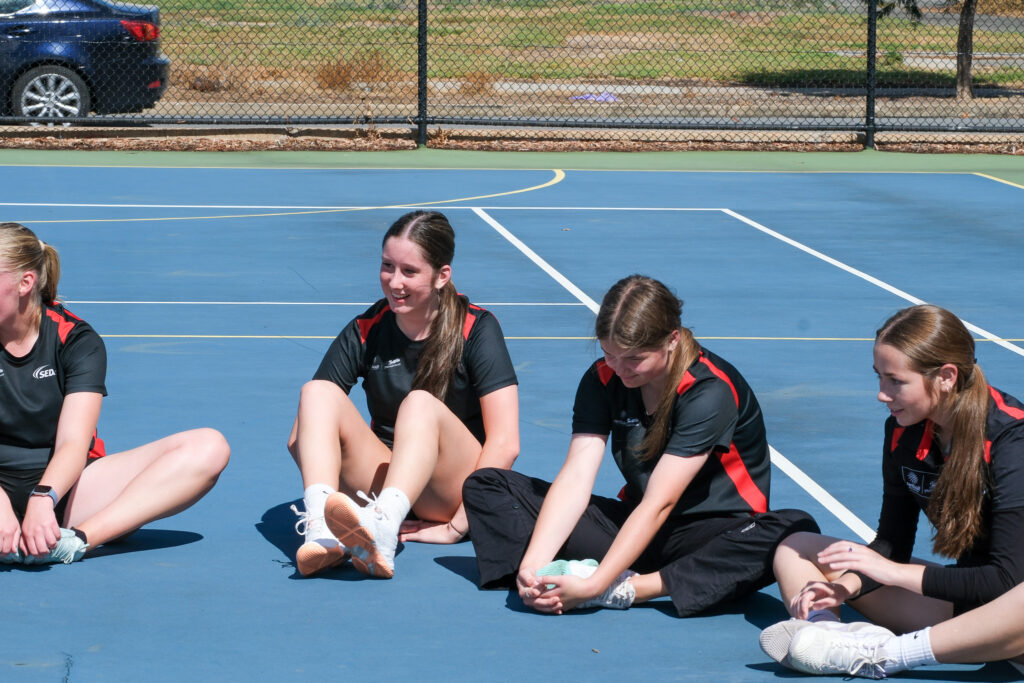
988, 452
737, 471
722, 376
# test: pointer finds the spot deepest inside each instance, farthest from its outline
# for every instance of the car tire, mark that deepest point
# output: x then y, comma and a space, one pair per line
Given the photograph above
50, 92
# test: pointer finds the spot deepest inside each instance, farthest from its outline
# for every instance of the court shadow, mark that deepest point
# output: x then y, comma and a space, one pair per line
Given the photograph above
277, 526
995, 672
463, 565
145, 539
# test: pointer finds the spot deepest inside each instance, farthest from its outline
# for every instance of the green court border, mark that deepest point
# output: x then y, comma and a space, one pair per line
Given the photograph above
1005, 167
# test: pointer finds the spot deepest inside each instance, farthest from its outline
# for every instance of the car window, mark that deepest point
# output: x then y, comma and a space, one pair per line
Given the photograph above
11, 6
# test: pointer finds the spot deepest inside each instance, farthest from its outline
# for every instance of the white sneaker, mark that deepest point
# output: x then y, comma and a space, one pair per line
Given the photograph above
776, 639
619, 595
320, 549
852, 651
367, 532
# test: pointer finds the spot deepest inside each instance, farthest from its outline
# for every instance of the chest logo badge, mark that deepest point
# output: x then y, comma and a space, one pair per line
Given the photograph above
44, 371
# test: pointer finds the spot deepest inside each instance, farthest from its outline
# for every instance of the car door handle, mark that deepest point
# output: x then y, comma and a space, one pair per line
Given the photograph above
16, 31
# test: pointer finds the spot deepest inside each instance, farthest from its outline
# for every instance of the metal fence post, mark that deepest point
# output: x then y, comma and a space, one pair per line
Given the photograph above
421, 76
869, 117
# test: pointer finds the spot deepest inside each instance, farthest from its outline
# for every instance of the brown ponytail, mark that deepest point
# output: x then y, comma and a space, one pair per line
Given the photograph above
640, 312
932, 337
21, 251
442, 351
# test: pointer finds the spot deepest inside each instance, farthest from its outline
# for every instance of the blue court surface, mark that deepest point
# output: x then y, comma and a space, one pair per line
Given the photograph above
218, 289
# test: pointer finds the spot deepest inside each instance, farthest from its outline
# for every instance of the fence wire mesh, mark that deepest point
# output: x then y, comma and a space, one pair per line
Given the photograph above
669, 65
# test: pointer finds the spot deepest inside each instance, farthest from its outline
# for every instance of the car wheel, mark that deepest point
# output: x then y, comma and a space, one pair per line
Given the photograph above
50, 92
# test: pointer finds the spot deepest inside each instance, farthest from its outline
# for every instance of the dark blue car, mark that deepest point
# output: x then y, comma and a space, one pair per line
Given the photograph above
66, 58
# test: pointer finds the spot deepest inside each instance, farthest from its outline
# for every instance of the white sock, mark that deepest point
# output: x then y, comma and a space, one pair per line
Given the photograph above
822, 615
395, 503
909, 651
314, 498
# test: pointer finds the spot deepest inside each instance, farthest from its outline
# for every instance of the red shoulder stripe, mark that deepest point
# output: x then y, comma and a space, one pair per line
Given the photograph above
721, 375
1015, 413
897, 433
926, 441
470, 320
64, 326
366, 324
685, 383
604, 373
740, 476
988, 452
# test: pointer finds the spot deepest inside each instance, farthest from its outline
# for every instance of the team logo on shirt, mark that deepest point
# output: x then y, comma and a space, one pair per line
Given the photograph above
44, 371
1, 372
393, 363
919, 483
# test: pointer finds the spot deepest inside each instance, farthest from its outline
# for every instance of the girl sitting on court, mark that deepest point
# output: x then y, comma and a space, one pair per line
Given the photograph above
60, 494
687, 434
443, 401
954, 448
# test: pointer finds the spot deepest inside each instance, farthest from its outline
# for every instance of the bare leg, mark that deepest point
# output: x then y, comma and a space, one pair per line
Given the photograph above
897, 609
988, 633
123, 491
648, 586
434, 453
796, 564
333, 445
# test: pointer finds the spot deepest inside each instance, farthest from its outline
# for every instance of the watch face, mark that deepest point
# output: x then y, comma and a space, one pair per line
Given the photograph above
42, 490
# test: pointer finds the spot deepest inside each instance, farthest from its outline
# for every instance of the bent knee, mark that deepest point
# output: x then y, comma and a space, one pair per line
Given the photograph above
420, 400
208, 450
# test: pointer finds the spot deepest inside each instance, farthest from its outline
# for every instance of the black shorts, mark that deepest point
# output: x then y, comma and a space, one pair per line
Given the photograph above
703, 561
18, 485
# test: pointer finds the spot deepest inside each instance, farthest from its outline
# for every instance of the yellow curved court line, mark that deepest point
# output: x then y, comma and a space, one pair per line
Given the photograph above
1000, 180
559, 177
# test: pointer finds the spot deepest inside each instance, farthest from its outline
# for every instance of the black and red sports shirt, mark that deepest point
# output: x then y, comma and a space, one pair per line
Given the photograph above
68, 357
714, 411
911, 464
374, 348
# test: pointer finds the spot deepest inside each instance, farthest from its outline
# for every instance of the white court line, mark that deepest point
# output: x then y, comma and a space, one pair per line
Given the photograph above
830, 503
827, 500
864, 276
297, 303
343, 207
544, 265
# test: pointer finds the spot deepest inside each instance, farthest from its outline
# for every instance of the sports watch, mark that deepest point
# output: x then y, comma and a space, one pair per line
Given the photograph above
41, 490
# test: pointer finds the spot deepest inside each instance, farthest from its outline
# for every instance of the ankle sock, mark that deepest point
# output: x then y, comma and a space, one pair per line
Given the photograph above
909, 651
395, 503
822, 615
81, 535
314, 498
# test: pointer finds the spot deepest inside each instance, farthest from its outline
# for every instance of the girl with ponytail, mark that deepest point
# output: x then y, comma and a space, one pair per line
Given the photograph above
954, 449
59, 493
692, 521
443, 401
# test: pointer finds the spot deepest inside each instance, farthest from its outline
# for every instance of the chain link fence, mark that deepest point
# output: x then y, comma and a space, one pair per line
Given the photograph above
664, 66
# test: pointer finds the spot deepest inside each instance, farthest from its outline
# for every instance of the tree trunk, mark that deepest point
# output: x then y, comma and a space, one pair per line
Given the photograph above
965, 51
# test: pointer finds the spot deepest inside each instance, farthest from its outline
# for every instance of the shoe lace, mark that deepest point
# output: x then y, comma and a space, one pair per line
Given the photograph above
867, 661
308, 522
372, 503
